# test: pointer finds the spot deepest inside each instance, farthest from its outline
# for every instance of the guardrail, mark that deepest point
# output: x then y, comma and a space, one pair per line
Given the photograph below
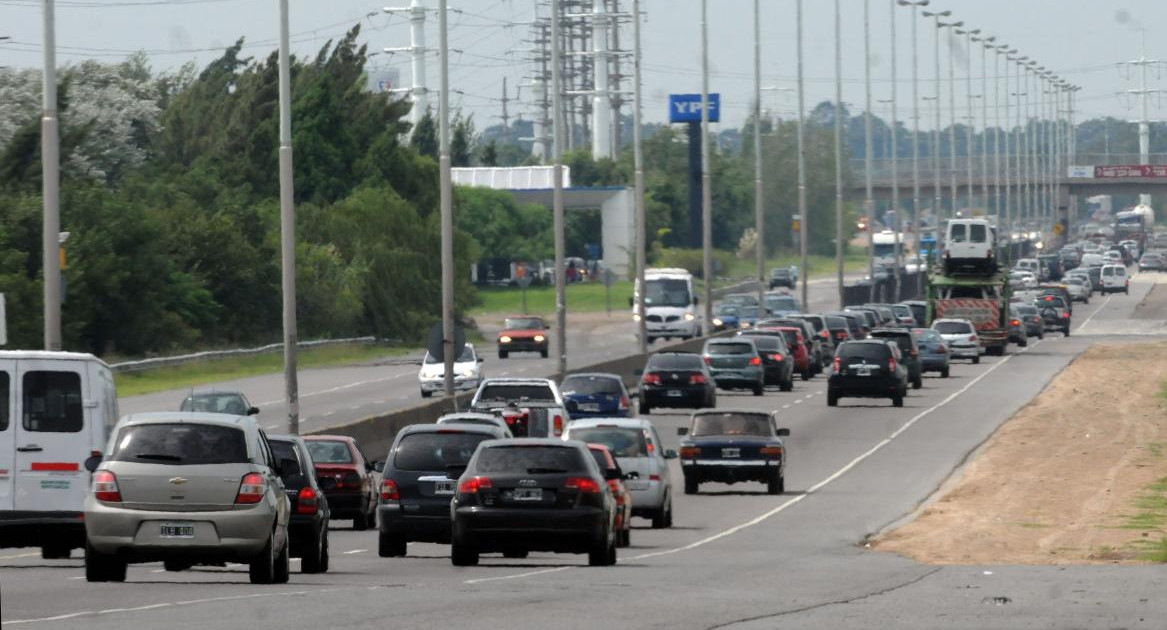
210, 355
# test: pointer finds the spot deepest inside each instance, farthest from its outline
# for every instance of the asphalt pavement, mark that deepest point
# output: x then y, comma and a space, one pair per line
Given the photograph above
737, 557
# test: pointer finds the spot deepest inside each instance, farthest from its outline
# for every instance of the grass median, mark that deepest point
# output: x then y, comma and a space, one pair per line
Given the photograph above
217, 370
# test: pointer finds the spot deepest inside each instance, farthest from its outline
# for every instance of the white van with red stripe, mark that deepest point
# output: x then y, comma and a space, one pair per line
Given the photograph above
56, 411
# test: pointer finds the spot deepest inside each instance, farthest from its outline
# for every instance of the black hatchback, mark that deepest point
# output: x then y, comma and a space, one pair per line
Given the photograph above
419, 478
868, 369
308, 524
676, 379
909, 351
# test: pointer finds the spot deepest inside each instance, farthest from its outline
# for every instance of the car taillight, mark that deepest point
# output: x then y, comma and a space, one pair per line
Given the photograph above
251, 489
1065, 316
557, 423
474, 484
836, 365
1015, 322
973, 338
105, 487
840, 335
389, 491
756, 361
776, 357
690, 452
823, 333
624, 402
306, 501
942, 350
913, 353
652, 379
708, 360
697, 379
654, 477
585, 485
614, 486
891, 364
772, 451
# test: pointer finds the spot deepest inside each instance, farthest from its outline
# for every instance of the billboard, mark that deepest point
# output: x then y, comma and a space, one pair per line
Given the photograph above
1130, 170
382, 80
687, 108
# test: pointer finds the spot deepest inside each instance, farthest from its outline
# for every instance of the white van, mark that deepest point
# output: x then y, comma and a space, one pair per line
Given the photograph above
670, 304
56, 411
970, 246
1114, 279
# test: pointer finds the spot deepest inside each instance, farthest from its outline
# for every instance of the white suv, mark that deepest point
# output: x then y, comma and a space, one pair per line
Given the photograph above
1114, 279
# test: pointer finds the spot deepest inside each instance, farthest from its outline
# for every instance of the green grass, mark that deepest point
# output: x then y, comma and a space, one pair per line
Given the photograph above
1163, 391
203, 372
581, 297
1151, 517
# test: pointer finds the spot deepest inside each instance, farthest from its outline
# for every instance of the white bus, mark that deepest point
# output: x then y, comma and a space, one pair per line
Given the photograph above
670, 304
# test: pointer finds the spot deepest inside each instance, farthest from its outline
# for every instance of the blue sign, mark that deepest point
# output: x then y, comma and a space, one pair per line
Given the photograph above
687, 108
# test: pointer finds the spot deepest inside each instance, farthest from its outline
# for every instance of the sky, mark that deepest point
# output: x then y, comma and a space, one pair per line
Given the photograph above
1083, 41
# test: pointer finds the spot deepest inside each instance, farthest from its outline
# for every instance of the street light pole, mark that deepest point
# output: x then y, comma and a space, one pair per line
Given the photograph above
51, 185
952, 109
557, 192
915, 139
937, 202
706, 179
449, 352
759, 207
839, 137
803, 219
985, 42
288, 228
638, 177
968, 133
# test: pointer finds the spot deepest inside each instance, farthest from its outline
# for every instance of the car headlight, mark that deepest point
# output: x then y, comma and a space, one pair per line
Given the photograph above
539, 338
467, 373
636, 317
690, 317
504, 339
717, 321
745, 324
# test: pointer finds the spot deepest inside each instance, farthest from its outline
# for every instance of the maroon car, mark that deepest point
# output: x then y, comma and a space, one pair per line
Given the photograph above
523, 334
619, 490
345, 477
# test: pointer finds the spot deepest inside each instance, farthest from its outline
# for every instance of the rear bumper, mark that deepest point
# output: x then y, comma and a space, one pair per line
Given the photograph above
738, 378
346, 504
864, 387
659, 397
730, 471
35, 529
414, 527
233, 535
933, 364
563, 530
964, 352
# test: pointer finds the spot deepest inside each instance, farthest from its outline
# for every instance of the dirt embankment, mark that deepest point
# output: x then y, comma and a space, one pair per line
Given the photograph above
1078, 476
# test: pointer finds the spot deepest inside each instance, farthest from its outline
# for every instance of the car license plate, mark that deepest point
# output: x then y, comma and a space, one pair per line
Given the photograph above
527, 494
731, 452
674, 393
177, 530
589, 407
444, 487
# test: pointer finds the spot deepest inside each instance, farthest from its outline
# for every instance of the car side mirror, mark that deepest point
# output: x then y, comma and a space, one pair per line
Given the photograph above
682, 430
92, 463
612, 474
783, 432
572, 406
379, 466
290, 468
454, 471
252, 411
480, 359
670, 454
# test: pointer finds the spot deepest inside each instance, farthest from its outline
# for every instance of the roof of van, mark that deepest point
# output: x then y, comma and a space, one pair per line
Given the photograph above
667, 271
48, 354
201, 417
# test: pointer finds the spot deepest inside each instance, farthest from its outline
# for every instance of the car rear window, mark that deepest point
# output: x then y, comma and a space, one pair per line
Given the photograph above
435, 451
589, 385
529, 459
904, 341
517, 392
215, 403
184, 444
601, 459
952, 328
930, 336
766, 342
730, 424
979, 232
675, 362
782, 303
872, 351
729, 348
329, 452
621, 441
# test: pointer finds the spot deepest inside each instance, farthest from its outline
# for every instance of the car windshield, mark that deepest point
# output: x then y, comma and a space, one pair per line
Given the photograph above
329, 452
726, 309
590, 385
729, 347
675, 362
523, 323
185, 444
780, 273
782, 303
667, 292
436, 451
529, 459
730, 424
517, 392
466, 356
953, 328
226, 402
621, 441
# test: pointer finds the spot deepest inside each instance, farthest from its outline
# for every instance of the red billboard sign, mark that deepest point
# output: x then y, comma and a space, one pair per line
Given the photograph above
1131, 170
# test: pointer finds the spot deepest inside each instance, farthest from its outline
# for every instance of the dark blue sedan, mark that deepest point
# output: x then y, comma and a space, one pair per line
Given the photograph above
731, 446
596, 395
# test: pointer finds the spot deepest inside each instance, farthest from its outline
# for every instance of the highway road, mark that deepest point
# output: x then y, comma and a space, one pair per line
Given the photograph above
337, 396
737, 558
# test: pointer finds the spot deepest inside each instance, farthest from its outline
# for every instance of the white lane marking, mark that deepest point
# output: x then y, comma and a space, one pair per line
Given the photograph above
1082, 326
329, 390
786, 406
108, 611
809, 491
349, 553
797, 401
329, 413
76, 577
20, 555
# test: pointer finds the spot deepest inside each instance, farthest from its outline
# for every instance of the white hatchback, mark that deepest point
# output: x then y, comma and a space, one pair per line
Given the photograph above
961, 337
1114, 279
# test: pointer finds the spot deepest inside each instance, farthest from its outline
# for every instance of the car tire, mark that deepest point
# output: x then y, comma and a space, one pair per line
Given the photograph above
918, 382
944, 372
775, 484
832, 399
318, 561
360, 522
806, 374
788, 384
976, 359
543, 353
100, 567
516, 554
1024, 343
644, 408
1066, 331
692, 486
663, 518
262, 568
602, 552
502, 354
624, 538
283, 566
1041, 336
426, 394
897, 401
391, 546
463, 554
56, 551
759, 390
175, 565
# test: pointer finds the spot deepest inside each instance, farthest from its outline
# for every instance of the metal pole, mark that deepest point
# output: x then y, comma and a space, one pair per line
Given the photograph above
759, 219
638, 178
968, 133
868, 199
706, 180
937, 208
50, 185
449, 352
997, 134
916, 148
417, 53
803, 219
839, 137
985, 42
953, 116
895, 166
557, 192
288, 228
1007, 136
601, 97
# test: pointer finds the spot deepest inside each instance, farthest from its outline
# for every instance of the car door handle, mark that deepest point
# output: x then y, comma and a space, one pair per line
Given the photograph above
31, 448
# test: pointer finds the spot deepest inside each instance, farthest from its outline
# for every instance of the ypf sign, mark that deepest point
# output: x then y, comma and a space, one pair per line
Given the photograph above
685, 108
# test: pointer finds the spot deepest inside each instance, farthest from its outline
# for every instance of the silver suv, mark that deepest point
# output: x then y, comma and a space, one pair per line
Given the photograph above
186, 489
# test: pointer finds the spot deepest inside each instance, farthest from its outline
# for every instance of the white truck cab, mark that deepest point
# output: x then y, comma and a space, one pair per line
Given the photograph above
670, 304
56, 411
970, 246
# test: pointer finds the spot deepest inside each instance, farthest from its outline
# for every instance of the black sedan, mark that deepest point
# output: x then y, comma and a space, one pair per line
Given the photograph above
533, 494
676, 379
308, 525
731, 446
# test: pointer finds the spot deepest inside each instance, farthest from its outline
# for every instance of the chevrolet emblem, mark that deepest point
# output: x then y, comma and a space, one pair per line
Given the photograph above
178, 481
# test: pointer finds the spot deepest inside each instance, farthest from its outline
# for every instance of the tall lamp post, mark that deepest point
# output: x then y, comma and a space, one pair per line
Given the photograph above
839, 134
759, 206
937, 203
50, 185
288, 227
802, 210
953, 26
968, 143
706, 179
638, 176
915, 136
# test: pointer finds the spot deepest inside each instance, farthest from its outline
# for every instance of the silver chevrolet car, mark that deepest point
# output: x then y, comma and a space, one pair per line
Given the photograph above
187, 488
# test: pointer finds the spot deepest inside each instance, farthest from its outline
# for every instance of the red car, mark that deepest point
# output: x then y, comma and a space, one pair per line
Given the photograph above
623, 521
523, 334
345, 477
797, 346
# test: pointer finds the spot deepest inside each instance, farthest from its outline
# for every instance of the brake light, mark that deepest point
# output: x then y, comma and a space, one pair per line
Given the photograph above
105, 487
1065, 316
708, 360
652, 378
584, 485
558, 424
1015, 322
654, 477
840, 335
942, 350
973, 338
772, 451
306, 501
690, 452
823, 334
474, 484
623, 402
251, 489
756, 361
891, 364
614, 486
837, 365
776, 357
697, 379
389, 491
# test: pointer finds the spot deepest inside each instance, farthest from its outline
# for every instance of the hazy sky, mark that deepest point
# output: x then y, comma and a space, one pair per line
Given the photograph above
1082, 40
